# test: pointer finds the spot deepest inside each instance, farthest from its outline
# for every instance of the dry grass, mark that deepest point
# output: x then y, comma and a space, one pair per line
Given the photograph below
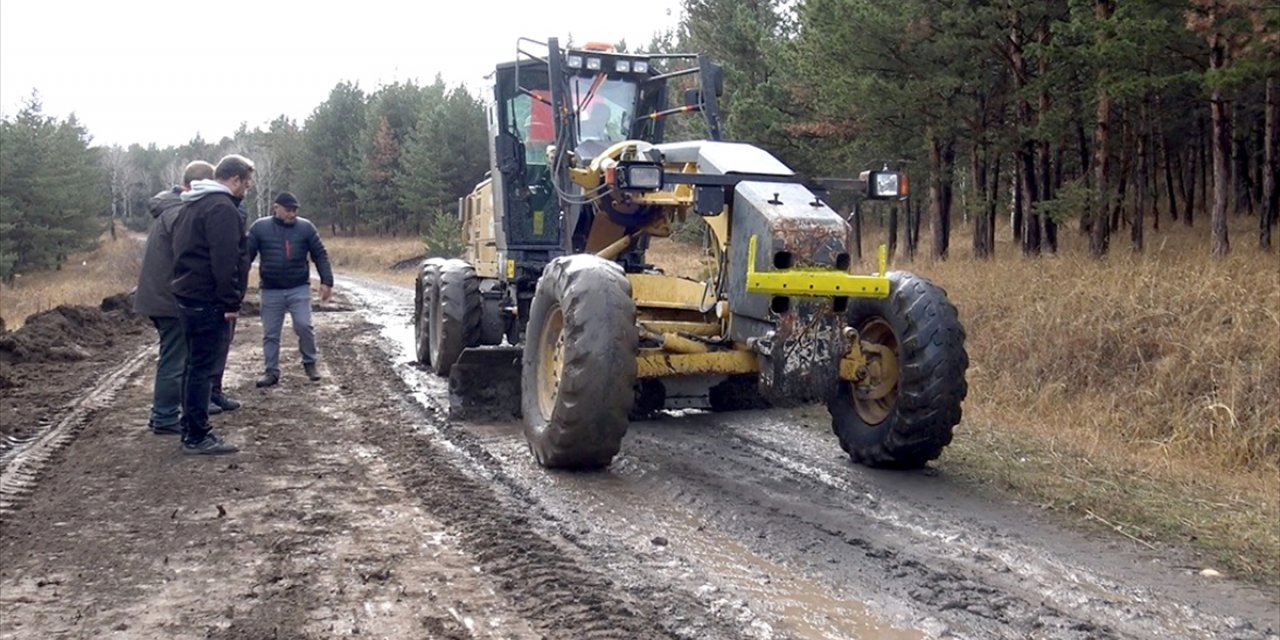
85, 279
376, 256
1140, 392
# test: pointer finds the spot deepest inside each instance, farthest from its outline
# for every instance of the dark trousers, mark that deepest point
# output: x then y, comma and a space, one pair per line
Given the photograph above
206, 327
220, 364
166, 398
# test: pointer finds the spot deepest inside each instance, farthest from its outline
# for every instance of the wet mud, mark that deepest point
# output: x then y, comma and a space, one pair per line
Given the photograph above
359, 507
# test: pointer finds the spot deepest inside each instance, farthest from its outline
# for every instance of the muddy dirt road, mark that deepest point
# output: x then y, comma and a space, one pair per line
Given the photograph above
356, 509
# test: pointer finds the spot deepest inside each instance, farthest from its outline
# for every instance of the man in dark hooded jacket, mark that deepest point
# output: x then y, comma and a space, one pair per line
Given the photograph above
208, 280
154, 300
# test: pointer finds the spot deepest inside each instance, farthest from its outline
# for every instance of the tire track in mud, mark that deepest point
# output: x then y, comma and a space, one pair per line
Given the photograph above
828, 528
980, 582
537, 564
22, 462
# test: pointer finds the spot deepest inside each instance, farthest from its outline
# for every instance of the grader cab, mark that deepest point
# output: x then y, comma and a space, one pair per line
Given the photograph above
554, 314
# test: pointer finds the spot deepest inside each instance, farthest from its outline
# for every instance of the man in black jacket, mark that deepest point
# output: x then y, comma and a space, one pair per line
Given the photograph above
285, 241
208, 277
154, 300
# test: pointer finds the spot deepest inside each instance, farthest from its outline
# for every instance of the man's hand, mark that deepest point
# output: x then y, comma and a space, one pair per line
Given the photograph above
326, 292
230, 316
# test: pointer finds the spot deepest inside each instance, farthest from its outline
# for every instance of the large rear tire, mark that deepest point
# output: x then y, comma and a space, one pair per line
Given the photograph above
423, 303
903, 414
455, 314
579, 364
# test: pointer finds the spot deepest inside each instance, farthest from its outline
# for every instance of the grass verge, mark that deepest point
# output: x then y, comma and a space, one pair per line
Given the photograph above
85, 279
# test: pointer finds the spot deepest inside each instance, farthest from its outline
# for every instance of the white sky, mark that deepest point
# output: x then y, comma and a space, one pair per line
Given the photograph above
149, 71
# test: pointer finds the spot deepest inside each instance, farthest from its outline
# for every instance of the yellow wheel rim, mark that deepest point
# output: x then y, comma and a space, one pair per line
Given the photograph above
875, 396
551, 354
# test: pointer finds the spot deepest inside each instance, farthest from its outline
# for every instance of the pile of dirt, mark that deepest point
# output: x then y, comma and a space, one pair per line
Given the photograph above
70, 332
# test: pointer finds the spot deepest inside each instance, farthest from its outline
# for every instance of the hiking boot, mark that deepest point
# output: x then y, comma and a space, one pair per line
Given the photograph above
211, 446
267, 380
312, 372
166, 429
224, 403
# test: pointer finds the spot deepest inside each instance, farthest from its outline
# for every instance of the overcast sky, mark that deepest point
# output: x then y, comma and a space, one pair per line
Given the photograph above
149, 71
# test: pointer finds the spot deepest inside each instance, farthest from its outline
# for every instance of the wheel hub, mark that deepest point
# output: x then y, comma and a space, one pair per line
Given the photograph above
875, 395
551, 367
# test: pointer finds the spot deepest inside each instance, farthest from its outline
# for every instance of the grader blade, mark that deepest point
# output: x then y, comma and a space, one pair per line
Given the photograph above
484, 384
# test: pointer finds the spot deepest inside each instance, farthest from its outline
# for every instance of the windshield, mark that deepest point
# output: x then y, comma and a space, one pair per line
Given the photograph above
604, 108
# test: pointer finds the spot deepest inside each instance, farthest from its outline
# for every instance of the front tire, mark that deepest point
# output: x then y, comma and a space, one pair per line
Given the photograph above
579, 365
903, 414
424, 300
455, 314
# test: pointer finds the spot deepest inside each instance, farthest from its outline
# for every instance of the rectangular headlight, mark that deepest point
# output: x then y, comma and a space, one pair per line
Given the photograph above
885, 185
640, 66
593, 64
642, 176
574, 61
622, 66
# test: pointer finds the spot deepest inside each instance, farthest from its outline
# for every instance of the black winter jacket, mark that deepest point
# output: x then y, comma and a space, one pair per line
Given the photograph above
153, 298
209, 246
284, 249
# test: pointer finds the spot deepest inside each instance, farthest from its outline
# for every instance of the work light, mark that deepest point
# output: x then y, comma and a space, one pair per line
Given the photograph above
622, 66
574, 61
884, 184
640, 66
640, 176
593, 64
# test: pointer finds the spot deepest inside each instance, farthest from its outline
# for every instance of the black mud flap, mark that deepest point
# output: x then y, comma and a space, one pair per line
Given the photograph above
484, 384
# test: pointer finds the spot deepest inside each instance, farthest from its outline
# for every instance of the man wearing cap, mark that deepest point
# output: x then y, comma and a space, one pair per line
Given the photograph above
284, 242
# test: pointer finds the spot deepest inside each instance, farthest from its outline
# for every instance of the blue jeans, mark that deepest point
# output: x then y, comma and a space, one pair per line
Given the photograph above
297, 301
166, 397
205, 326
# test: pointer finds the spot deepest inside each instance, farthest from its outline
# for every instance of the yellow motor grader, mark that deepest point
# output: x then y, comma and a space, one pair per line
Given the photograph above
554, 314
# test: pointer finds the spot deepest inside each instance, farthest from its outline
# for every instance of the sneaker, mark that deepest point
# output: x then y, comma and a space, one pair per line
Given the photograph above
224, 403
312, 372
211, 446
267, 380
165, 430
214, 409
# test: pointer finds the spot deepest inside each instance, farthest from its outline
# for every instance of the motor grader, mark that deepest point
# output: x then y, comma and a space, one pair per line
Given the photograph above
554, 312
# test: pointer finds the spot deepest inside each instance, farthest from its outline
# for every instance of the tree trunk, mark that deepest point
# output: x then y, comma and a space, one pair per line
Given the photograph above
1205, 164
992, 206
1169, 159
1016, 222
1118, 215
1186, 175
1046, 224
857, 230
1241, 177
1140, 189
1100, 234
1221, 116
915, 224
942, 158
1271, 172
893, 231
980, 221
